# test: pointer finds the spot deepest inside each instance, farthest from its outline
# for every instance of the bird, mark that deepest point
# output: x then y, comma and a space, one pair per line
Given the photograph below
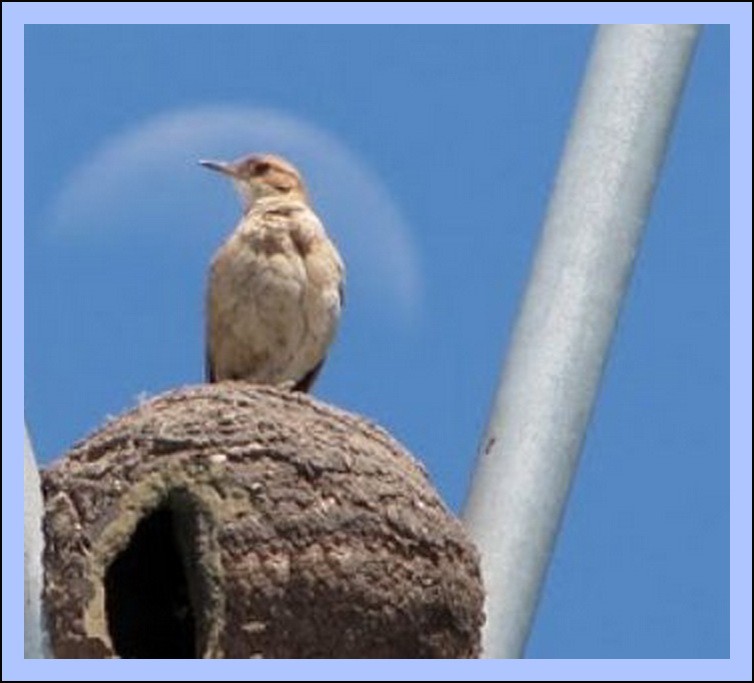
276, 286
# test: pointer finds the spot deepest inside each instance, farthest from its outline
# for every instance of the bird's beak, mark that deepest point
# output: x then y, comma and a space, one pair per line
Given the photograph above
219, 166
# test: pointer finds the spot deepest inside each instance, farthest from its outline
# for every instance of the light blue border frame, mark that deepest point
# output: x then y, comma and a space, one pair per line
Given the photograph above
738, 15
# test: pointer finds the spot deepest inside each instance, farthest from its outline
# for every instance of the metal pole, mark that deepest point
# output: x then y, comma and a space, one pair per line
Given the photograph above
580, 273
35, 640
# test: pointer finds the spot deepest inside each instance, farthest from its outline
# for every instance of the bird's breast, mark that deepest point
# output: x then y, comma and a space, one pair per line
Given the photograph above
274, 294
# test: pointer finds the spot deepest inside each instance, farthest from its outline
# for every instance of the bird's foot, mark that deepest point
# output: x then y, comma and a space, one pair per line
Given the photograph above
288, 385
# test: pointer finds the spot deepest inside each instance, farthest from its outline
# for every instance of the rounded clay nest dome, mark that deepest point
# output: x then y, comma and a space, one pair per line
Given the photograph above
237, 521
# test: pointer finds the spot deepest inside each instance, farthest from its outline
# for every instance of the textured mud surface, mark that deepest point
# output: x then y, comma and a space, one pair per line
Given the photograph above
236, 521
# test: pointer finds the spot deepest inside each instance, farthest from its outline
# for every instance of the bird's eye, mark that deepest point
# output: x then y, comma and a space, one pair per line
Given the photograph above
261, 168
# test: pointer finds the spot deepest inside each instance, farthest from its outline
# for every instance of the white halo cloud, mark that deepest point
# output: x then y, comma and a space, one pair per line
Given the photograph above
146, 181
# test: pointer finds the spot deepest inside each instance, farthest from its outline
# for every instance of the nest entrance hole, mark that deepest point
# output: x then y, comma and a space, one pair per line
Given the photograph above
155, 592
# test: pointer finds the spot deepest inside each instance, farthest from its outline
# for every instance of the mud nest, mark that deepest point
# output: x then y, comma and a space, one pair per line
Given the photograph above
237, 521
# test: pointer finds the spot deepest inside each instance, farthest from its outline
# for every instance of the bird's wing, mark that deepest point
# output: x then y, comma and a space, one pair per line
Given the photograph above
305, 383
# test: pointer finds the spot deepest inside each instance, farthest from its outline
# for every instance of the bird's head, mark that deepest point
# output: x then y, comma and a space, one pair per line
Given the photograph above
261, 175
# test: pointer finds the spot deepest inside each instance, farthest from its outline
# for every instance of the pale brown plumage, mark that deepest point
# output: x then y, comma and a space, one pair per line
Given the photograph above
275, 288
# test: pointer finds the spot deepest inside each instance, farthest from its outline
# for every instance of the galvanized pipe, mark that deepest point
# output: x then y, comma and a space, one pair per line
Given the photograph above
580, 274
35, 640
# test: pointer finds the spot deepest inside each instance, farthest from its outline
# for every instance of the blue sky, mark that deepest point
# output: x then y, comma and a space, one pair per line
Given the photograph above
430, 152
